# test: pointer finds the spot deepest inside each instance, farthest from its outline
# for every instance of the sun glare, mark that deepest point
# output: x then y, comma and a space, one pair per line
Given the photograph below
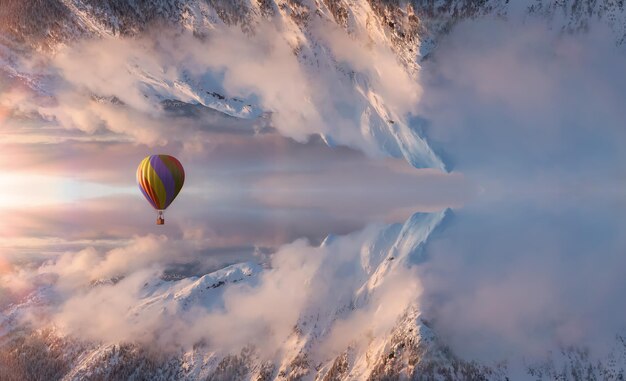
28, 190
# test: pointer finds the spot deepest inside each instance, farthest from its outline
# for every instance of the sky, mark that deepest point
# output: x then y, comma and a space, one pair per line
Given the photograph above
529, 121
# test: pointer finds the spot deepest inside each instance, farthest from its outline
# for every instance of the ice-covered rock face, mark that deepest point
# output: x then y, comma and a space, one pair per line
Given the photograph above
345, 71
335, 310
348, 309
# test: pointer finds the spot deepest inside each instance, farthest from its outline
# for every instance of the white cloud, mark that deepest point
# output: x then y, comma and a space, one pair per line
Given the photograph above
350, 101
302, 282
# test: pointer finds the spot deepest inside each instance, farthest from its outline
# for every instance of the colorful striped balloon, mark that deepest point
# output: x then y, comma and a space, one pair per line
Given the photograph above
160, 179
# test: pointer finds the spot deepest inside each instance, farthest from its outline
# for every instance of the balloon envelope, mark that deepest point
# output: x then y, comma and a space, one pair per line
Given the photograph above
160, 179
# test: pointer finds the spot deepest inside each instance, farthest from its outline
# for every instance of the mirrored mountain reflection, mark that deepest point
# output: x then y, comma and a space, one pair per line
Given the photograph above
249, 289
249, 286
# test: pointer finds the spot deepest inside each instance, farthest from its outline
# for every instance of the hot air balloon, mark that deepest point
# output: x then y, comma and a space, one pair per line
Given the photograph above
160, 179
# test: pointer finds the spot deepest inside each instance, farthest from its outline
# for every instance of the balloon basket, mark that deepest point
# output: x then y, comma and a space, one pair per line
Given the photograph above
160, 219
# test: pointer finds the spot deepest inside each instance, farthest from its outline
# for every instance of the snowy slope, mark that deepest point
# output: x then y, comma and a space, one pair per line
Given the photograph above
348, 325
360, 112
351, 275
178, 296
355, 278
383, 130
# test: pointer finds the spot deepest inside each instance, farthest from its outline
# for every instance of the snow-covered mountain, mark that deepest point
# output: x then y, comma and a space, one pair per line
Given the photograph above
355, 113
358, 273
347, 310
360, 112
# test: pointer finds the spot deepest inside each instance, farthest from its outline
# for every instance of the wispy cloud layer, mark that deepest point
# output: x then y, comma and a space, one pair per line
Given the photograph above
116, 295
256, 78
536, 118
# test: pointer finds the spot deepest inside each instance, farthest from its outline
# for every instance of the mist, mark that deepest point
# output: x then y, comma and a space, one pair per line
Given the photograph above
535, 117
119, 295
249, 83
